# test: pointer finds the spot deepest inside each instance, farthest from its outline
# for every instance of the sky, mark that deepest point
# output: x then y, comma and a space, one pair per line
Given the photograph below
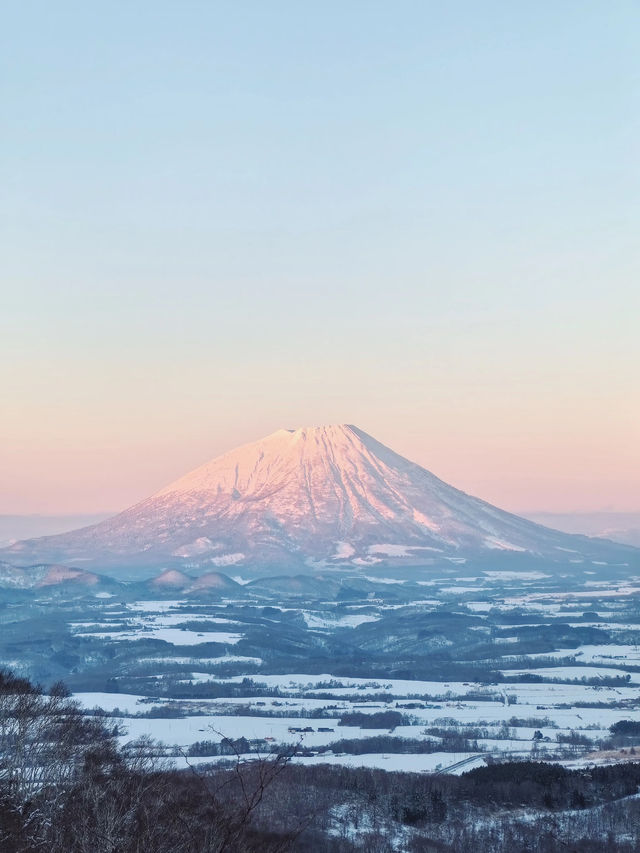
222, 218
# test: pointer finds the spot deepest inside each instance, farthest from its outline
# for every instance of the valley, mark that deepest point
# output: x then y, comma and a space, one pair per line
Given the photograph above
438, 674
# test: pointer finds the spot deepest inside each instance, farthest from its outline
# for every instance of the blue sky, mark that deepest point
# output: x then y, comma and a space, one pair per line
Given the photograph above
222, 218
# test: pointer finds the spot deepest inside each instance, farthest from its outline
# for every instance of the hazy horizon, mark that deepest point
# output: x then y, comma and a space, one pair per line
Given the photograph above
622, 526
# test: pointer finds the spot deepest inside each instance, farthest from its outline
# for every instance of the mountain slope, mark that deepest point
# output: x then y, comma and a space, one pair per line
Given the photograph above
317, 496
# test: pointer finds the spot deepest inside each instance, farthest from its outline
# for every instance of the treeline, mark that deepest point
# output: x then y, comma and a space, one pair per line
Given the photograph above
626, 728
399, 745
589, 681
234, 747
377, 720
624, 733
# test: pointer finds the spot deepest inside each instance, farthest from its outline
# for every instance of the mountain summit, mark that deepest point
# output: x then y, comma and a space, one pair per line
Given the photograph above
314, 497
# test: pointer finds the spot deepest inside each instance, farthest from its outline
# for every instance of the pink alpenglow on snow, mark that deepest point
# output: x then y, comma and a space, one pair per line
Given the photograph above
307, 499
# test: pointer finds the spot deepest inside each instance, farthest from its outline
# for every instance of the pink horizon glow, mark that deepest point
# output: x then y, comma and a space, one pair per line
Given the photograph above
424, 223
555, 473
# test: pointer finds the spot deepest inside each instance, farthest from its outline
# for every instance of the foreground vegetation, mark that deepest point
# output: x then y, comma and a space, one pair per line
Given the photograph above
67, 787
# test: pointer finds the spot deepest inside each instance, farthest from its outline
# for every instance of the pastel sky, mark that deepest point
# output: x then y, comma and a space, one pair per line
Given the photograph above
219, 218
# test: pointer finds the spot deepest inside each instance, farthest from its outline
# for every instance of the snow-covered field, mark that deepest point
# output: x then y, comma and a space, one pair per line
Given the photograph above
518, 719
153, 620
556, 703
174, 636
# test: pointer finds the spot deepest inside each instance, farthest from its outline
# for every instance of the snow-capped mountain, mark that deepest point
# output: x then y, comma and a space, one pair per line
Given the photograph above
315, 497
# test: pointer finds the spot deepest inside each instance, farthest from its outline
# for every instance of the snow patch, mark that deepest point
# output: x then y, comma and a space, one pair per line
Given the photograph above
389, 550
227, 559
202, 545
343, 551
501, 545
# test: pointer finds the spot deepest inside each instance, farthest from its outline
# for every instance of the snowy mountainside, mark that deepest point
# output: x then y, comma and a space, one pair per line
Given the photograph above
313, 498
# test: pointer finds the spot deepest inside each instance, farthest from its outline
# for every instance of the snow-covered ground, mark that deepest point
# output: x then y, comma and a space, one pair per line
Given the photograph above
516, 719
325, 621
174, 636
512, 716
153, 620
